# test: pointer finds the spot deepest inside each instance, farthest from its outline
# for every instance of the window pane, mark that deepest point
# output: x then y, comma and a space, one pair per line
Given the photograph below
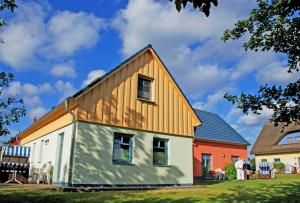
126, 140
159, 156
206, 163
264, 160
277, 160
234, 159
122, 148
144, 88
160, 152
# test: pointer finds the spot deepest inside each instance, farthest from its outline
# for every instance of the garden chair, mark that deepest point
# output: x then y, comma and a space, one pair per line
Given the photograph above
218, 174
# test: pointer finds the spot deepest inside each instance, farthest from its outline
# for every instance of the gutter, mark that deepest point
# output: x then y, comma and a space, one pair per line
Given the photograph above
70, 169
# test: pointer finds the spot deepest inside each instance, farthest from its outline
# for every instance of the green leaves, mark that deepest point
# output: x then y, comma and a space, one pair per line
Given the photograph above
203, 5
283, 101
273, 26
6, 4
11, 107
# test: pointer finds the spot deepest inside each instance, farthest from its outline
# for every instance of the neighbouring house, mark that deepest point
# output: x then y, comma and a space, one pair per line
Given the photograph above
216, 144
132, 126
278, 144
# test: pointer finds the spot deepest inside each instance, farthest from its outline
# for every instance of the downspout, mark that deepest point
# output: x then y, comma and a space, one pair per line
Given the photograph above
70, 169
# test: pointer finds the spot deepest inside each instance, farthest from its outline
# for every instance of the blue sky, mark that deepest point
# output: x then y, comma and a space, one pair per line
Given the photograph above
55, 47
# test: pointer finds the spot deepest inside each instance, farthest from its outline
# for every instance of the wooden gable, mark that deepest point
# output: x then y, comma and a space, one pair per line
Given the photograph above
114, 101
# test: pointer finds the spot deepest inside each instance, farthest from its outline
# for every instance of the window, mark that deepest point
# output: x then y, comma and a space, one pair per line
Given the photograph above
277, 160
264, 160
160, 151
122, 149
206, 163
234, 159
144, 88
41, 151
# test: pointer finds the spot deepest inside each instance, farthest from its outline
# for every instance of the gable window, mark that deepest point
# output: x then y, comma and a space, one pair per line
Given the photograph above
144, 88
122, 148
160, 151
234, 159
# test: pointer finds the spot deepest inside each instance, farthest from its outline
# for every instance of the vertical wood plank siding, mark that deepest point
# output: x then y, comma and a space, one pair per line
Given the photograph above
114, 100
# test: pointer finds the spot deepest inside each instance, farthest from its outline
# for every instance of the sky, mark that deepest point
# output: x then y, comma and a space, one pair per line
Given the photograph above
54, 48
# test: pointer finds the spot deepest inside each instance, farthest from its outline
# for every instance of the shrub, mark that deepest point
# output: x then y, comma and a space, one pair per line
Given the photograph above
230, 171
280, 167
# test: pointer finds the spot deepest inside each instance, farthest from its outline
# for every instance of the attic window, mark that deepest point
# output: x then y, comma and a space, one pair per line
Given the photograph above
145, 88
290, 138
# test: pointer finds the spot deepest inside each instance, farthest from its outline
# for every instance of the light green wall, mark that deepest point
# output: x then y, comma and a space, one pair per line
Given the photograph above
93, 158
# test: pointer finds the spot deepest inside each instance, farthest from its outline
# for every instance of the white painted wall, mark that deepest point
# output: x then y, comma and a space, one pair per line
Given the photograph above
50, 151
94, 150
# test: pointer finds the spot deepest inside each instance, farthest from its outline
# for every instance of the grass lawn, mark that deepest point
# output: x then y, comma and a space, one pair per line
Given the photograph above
285, 188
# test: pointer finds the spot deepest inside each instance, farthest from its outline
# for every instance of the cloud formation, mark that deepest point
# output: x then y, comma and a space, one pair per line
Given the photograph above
64, 70
34, 35
92, 75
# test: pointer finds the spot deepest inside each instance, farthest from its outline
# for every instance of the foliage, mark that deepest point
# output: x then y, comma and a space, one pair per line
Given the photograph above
6, 4
11, 107
230, 171
252, 161
280, 167
273, 26
202, 5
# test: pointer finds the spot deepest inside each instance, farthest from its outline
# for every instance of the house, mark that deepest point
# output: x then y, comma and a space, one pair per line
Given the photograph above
132, 126
216, 144
278, 144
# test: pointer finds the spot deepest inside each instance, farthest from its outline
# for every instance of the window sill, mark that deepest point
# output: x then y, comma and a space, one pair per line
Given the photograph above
162, 165
122, 163
148, 101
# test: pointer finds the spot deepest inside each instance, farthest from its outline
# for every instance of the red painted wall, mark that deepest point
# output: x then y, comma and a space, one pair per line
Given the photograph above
220, 154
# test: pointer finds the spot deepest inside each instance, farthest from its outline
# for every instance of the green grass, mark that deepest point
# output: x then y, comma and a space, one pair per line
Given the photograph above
285, 188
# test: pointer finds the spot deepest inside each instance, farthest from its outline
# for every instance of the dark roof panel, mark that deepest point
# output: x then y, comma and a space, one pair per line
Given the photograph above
214, 128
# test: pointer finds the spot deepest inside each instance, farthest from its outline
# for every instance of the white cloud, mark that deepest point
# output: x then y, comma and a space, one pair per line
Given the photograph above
276, 73
34, 35
203, 78
65, 89
23, 36
64, 70
29, 92
37, 112
212, 100
252, 119
71, 31
189, 42
92, 75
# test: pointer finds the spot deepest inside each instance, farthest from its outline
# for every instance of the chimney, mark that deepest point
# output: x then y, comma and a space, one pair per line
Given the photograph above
34, 119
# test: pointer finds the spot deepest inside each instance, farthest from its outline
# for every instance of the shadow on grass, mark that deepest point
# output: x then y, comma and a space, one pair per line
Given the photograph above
207, 182
287, 192
102, 196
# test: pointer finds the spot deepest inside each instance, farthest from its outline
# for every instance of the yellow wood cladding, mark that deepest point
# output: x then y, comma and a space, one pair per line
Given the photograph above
114, 100
58, 123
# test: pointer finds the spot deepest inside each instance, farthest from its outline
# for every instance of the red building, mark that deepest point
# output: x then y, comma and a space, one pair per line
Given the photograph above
216, 144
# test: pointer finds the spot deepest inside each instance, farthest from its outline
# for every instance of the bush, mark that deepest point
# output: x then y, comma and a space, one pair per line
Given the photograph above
280, 167
230, 171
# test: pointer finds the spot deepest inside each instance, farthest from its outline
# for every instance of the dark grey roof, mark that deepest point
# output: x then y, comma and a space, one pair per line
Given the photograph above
214, 128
